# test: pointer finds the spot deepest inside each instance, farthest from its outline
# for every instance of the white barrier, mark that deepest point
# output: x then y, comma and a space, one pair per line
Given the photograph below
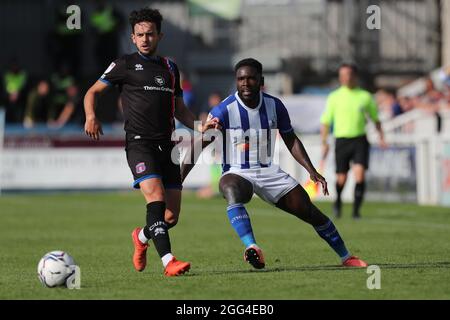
415, 167
74, 169
408, 170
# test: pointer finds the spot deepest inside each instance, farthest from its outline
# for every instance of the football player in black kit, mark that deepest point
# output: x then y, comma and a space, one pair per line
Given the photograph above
151, 98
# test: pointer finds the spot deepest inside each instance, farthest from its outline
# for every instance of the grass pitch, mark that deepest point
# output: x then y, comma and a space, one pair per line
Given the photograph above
410, 244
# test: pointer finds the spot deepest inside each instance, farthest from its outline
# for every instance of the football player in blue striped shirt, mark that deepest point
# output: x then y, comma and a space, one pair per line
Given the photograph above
249, 121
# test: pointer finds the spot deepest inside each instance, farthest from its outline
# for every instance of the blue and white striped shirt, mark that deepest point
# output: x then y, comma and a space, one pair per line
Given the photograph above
249, 134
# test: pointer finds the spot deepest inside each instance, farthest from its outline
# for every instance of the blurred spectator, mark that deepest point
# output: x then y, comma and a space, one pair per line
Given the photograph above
188, 92
60, 81
72, 106
430, 101
388, 104
106, 23
38, 103
188, 96
445, 78
65, 98
406, 103
431, 94
14, 87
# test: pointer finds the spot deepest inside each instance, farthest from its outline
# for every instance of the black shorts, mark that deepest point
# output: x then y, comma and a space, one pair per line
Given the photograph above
149, 159
351, 149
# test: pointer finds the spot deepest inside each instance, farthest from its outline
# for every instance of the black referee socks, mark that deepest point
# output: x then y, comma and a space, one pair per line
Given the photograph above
359, 195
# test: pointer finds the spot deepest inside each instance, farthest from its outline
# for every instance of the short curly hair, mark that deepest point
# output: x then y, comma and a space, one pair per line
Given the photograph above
249, 62
148, 15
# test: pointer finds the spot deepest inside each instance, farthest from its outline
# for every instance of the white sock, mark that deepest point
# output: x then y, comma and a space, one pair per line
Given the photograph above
142, 237
166, 259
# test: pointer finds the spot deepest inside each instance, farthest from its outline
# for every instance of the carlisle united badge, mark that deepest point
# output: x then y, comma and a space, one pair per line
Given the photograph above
140, 167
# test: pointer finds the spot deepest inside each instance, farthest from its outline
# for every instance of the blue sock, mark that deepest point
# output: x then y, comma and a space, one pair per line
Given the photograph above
329, 233
240, 221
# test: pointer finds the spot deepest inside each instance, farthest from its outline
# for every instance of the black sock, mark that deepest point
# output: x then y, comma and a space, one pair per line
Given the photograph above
359, 195
156, 229
338, 202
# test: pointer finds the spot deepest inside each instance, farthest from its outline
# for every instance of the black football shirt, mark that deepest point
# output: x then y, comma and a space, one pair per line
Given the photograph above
148, 86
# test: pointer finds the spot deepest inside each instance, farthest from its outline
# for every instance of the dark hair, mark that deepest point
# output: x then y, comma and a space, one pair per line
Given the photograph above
350, 65
249, 62
146, 14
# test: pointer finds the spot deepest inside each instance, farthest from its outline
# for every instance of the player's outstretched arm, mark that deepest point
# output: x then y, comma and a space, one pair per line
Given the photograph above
186, 117
298, 151
92, 126
199, 143
183, 114
192, 156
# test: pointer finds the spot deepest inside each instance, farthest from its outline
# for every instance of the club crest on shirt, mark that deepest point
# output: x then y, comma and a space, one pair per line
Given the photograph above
140, 167
242, 147
159, 80
138, 67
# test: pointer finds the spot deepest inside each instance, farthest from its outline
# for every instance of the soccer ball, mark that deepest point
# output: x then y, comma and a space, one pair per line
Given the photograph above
54, 268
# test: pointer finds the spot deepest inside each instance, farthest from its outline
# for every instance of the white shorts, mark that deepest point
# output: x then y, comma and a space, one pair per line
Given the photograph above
270, 184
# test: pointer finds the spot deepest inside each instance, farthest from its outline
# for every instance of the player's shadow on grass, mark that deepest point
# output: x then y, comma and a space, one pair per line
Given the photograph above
273, 270
425, 265
419, 265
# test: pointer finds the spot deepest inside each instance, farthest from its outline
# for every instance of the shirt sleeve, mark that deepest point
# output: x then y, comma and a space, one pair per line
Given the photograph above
327, 115
178, 90
372, 109
216, 113
115, 73
283, 119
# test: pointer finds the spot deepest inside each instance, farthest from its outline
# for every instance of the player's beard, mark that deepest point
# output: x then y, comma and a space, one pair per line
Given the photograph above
249, 98
147, 50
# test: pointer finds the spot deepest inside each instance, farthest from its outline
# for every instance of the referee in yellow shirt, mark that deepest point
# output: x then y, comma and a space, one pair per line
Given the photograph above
347, 109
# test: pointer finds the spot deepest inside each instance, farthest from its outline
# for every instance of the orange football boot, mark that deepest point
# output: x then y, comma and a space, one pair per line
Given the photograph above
140, 251
354, 261
176, 268
254, 256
